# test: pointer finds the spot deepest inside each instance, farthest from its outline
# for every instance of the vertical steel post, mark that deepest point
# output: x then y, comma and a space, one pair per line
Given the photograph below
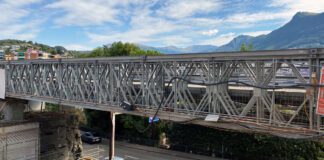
310, 92
318, 69
59, 78
112, 136
97, 88
274, 67
142, 82
8, 78
262, 77
175, 86
258, 82
209, 88
31, 78
111, 83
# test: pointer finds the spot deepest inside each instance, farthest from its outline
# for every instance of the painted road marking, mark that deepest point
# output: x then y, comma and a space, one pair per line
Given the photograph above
131, 157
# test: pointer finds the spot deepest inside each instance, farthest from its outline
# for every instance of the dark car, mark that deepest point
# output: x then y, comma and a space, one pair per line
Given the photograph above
90, 138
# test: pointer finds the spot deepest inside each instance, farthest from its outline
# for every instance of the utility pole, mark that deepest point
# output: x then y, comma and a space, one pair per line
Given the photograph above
112, 136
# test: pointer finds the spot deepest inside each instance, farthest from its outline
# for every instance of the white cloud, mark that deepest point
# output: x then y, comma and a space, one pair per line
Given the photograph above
283, 10
171, 40
77, 47
90, 13
291, 7
25, 31
205, 22
143, 28
13, 23
84, 12
220, 40
210, 32
245, 18
12, 11
182, 9
21, 2
174, 21
138, 34
294, 6
257, 33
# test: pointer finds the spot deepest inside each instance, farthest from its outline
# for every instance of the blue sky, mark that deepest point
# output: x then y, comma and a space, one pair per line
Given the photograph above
86, 24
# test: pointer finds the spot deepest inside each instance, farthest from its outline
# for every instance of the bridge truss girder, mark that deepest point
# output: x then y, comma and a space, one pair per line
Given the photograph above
104, 83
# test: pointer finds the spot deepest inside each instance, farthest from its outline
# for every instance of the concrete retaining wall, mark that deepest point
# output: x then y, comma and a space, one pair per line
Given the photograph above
19, 141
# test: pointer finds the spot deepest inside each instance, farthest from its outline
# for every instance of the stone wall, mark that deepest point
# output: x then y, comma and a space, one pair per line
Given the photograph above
60, 137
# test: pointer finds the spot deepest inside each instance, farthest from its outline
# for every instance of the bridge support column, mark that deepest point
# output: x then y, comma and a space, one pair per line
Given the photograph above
13, 110
36, 105
112, 136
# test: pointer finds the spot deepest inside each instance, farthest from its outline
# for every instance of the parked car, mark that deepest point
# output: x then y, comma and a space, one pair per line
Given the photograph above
90, 138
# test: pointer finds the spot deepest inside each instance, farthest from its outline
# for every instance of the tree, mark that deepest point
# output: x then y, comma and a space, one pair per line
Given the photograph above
236, 145
146, 53
7, 51
245, 48
74, 54
119, 49
123, 49
52, 51
60, 50
250, 47
97, 52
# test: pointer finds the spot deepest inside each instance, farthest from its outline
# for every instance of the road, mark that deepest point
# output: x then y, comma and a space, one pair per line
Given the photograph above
139, 152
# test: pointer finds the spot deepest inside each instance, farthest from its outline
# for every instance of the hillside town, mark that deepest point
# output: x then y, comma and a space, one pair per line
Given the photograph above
17, 52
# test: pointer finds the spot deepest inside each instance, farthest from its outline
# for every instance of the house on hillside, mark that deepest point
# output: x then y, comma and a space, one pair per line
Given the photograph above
4, 47
57, 56
29, 54
46, 55
37, 54
10, 57
14, 47
19, 55
32, 54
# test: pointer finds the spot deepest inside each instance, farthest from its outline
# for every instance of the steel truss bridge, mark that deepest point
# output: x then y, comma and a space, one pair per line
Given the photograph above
250, 106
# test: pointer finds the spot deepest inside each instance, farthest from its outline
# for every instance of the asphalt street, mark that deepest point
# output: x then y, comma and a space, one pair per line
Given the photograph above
138, 152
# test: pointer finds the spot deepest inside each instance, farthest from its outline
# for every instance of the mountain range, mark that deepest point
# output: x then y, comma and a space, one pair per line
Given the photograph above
175, 49
304, 30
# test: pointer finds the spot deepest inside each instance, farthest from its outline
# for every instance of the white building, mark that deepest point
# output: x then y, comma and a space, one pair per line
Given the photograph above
15, 47
4, 47
2, 54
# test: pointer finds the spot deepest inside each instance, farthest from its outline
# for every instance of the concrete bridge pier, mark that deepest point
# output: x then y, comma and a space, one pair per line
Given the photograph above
12, 109
36, 105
